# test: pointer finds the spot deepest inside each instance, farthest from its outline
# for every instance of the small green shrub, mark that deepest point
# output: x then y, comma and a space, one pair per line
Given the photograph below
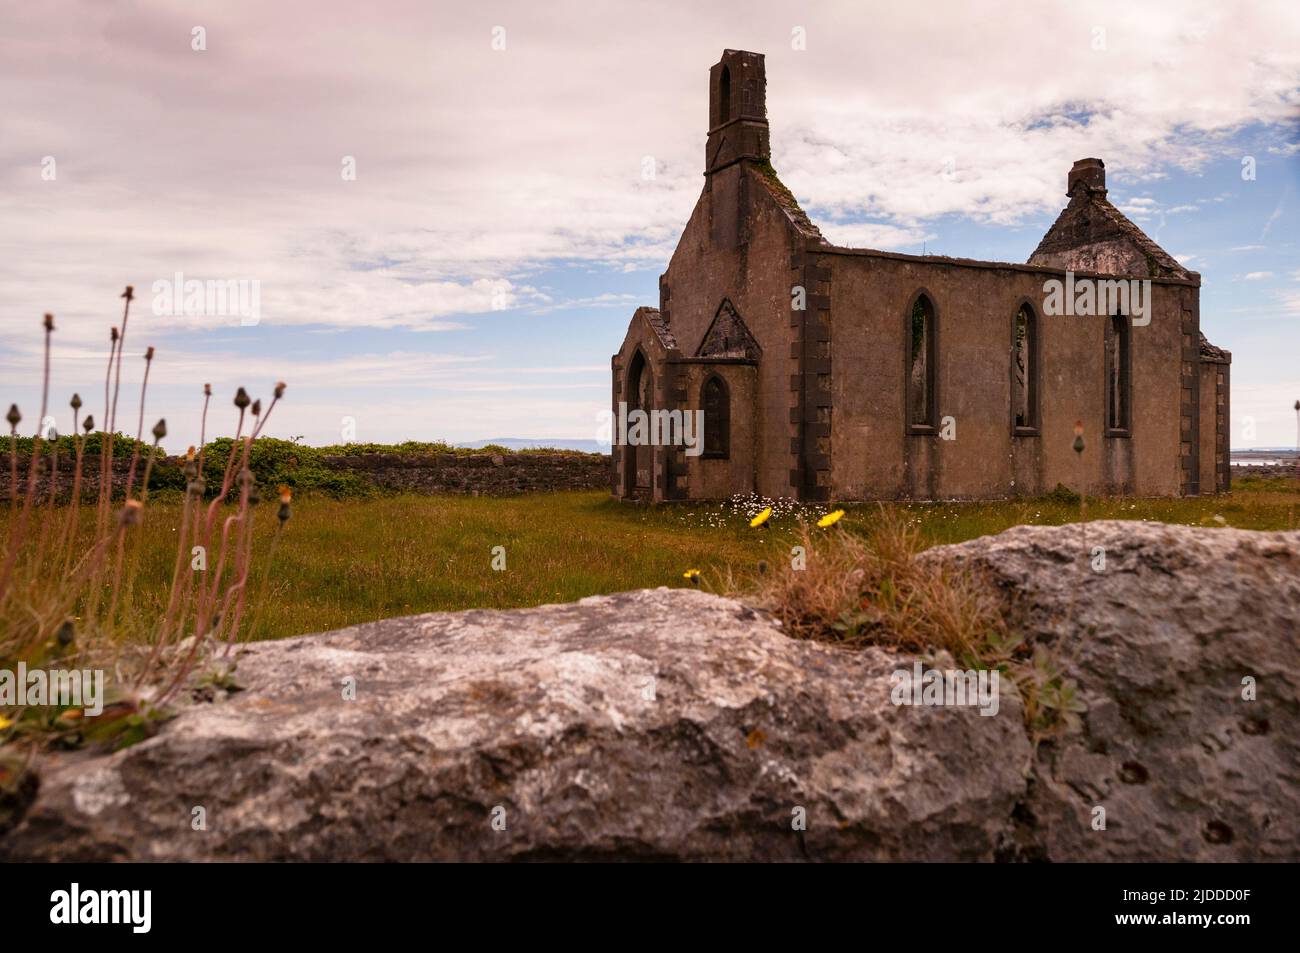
286, 463
1061, 494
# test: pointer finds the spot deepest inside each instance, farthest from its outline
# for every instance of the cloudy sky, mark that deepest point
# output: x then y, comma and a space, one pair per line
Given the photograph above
446, 209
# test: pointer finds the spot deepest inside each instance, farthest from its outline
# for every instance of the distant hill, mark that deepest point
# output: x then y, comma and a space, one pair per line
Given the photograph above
519, 443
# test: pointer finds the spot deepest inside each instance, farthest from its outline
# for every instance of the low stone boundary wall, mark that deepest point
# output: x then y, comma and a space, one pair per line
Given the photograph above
63, 477
497, 474
487, 474
1277, 470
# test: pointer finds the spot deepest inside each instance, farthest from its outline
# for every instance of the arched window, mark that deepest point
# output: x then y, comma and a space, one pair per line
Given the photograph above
1118, 421
724, 96
638, 459
1024, 371
922, 369
716, 403
641, 391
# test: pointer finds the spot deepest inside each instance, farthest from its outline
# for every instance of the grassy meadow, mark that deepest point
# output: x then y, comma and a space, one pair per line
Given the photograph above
343, 561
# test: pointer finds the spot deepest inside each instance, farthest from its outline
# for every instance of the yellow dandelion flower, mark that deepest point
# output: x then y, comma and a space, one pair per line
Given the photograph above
830, 519
761, 518
693, 575
5, 722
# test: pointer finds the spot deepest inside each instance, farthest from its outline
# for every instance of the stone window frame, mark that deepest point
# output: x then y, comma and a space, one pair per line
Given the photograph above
1124, 353
930, 427
1035, 377
631, 396
725, 438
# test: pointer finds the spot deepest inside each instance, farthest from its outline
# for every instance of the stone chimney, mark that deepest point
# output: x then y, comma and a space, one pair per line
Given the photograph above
1090, 172
737, 111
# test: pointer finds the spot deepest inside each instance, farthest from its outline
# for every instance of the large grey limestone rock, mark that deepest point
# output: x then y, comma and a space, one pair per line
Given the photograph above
671, 724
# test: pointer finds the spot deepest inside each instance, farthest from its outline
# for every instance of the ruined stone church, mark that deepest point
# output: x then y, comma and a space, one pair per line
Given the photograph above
829, 373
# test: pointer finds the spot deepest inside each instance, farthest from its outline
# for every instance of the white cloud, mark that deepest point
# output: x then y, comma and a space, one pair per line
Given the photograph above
873, 235
1274, 216
623, 302
472, 163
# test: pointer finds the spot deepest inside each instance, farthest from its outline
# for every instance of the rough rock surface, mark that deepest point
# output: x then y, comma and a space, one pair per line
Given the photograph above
1160, 640
652, 724
676, 725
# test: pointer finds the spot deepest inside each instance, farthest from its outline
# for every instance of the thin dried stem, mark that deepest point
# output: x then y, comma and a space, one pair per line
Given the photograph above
101, 510
100, 586
209, 596
13, 469
139, 430
16, 540
106, 476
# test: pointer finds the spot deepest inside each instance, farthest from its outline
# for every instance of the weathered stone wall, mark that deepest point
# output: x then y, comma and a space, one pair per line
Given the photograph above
1208, 450
748, 265
498, 474
62, 478
1215, 418
720, 477
1277, 470
467, 474
975, 303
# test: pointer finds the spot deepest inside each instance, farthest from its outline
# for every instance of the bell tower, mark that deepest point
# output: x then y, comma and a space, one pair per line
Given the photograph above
737, 111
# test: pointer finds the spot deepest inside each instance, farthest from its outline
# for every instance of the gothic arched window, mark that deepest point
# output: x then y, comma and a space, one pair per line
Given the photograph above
715, 400
1118, 362
638, 459
1024, 371
922, 369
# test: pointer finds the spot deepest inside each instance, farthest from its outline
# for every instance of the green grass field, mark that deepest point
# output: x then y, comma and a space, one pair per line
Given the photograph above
346, 561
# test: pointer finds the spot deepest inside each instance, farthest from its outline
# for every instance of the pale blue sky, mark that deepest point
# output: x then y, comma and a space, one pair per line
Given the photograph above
475, 276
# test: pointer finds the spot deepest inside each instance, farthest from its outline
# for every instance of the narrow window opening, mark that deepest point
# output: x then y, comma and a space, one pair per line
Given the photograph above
1024, 371
1118, 398
639, 459
716, 403
921, 366
724, 96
